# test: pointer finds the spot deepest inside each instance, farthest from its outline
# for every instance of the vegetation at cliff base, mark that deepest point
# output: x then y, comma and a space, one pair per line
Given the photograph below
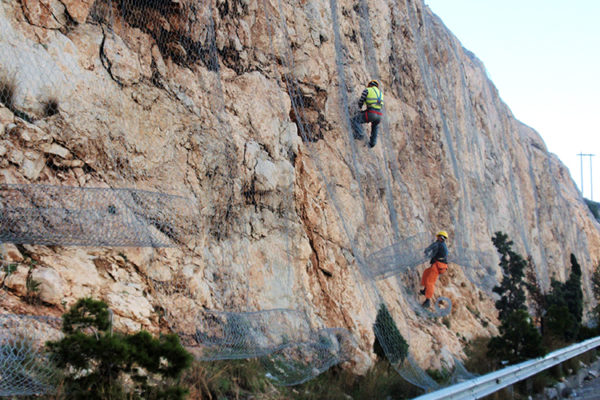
565, 306
99, 364
519, 340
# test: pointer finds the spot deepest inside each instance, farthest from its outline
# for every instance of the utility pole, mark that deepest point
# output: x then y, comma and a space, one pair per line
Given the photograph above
591, 182
581, 155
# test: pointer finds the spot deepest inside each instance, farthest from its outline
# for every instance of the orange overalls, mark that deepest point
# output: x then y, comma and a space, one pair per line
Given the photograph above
430, 276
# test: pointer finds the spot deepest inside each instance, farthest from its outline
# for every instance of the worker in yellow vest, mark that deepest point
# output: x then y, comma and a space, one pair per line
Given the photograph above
372, 96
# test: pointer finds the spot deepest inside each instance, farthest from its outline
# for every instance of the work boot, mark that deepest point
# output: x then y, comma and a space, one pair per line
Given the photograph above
427, 303
422, 291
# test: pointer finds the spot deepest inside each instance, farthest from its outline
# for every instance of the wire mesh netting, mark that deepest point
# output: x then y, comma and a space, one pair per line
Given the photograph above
291, 346
61, 215
399, 257
302, 361
219, 335
25, 368
240, 329
358, 235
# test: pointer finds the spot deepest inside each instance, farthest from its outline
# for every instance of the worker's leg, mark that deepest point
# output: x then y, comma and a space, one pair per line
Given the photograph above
375, 119
357, 122
428, 280
441, 267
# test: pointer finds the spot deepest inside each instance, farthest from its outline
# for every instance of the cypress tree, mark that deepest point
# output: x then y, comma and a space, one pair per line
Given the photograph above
519, 340
565, 305
573, 291
394, 345
535, 294
511, 289
596, 292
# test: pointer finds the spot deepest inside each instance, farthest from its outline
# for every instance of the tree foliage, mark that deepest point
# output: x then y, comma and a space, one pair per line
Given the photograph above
536, 294
519, 340
511, 289
565, 305
97, 362
386, 331
596, 292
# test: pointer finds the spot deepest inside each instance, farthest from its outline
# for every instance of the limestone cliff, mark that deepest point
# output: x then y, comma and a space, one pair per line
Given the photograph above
129, 94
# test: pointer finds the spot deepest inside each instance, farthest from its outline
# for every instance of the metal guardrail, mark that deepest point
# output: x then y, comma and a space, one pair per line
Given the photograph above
486, 384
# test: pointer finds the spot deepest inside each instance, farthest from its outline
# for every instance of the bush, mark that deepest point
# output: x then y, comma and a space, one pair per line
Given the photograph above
96, 362
394, 346
380, 382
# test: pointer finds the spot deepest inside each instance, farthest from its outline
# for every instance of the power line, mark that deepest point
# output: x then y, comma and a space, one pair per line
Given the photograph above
581, 155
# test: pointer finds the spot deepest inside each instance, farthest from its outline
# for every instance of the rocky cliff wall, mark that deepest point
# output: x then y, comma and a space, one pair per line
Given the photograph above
244, 108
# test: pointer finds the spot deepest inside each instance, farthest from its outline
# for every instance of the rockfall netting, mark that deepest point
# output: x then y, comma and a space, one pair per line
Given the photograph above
372, 175
365, 170
25, 368
302, 361
290, 341
67, 216
291, 345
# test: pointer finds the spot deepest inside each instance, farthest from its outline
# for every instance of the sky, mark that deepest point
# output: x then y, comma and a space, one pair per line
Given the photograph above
544, 58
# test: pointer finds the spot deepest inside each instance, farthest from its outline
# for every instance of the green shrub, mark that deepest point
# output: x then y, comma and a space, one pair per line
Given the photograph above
32, 287
519, 340
96, 363
394, 346
439, 375
565, 306
511, 289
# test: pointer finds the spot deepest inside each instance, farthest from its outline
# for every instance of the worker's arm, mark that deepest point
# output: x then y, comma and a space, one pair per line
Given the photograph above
363, 98
432, 249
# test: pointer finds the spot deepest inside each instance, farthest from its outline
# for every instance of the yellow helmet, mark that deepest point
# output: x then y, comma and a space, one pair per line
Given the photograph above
373, 82
443, 234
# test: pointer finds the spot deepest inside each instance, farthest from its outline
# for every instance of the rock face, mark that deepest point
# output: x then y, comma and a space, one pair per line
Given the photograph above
244, 106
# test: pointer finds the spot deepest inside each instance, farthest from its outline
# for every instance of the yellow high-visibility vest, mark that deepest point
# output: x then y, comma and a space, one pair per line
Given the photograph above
374, 98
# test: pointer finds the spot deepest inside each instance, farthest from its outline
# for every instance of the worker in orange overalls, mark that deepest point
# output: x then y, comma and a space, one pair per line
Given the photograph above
439, 253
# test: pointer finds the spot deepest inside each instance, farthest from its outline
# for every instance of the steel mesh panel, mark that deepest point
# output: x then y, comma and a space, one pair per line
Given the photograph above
218, 335
410, 371
127, 217
302, 361
389, 262
25, 368
63, 215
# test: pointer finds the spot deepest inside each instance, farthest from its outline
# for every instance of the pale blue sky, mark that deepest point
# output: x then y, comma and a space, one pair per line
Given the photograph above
544, 58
